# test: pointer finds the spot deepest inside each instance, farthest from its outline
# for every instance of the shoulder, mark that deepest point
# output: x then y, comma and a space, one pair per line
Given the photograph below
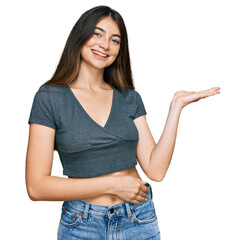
51, 88
130, 94
50, 95
134, 96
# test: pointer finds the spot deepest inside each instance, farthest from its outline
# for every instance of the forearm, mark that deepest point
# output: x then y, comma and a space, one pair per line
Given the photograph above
52, 188
162, 152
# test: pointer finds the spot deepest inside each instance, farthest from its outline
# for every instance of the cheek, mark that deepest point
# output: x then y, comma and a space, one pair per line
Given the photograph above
116, 51
93, 41
86, 49
88, 45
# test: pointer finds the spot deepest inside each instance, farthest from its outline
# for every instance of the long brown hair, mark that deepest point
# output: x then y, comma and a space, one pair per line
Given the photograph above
118, 74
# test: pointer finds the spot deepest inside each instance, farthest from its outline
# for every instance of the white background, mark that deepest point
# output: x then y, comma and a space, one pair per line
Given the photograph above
174, 45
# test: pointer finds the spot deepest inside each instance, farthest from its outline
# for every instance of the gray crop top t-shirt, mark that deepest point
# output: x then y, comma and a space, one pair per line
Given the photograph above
85, 148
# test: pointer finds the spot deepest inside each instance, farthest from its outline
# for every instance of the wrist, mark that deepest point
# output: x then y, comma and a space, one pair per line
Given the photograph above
176, 105
112, 183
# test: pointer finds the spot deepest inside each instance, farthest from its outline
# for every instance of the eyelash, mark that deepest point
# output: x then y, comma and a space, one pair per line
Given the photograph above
96, 33
117, 42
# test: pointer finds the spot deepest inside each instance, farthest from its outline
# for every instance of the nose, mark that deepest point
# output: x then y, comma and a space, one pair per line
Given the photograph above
104, 43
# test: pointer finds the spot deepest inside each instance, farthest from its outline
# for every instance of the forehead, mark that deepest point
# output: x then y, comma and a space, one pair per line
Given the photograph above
109, 25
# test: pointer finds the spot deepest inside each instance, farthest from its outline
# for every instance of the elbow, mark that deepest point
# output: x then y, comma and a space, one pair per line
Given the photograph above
33, 193
160, 175
155, 179
35, 188
158, 178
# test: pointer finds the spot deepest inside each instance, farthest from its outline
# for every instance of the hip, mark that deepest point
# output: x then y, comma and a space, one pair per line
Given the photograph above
85, 220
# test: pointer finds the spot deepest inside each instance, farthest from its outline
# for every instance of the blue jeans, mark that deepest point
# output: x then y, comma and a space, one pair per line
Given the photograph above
84, 220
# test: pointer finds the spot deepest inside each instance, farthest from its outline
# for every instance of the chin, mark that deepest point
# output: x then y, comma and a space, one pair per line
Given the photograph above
101, 66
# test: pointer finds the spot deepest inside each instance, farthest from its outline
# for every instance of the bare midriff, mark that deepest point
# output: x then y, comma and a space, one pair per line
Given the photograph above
109, 199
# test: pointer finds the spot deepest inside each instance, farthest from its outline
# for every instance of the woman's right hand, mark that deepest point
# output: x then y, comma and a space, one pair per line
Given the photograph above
130, 189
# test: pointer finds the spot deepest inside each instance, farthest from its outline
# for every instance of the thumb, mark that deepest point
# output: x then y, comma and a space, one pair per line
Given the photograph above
144, 182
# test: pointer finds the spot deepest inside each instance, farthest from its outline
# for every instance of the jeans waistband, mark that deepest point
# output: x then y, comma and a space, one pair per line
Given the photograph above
113, 211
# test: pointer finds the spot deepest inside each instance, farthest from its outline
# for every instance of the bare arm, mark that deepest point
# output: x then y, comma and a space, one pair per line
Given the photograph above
163, 151
41, 186
155, 158
52, 188
161, 154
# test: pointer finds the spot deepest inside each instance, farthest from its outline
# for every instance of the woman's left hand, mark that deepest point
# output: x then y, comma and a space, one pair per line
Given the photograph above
183, 98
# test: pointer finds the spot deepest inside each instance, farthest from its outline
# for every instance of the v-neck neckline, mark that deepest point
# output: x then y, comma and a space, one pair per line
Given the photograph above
88, 116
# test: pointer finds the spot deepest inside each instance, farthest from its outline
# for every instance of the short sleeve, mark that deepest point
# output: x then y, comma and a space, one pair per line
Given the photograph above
140, 108
42, 111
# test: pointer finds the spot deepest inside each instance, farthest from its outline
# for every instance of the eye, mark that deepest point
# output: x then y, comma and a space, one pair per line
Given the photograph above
115, 41
96, 34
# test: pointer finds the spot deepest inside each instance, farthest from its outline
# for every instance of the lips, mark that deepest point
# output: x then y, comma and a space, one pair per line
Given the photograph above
101, 54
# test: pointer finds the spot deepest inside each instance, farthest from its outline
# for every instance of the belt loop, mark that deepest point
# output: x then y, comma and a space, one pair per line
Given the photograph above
149, 185
128, 210
85, 214
151, 191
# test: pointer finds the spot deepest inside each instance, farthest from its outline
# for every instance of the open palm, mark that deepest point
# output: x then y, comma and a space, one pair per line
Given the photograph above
184, 98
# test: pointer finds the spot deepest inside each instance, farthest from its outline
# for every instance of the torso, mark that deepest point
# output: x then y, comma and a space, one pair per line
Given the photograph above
96, 106
109, 199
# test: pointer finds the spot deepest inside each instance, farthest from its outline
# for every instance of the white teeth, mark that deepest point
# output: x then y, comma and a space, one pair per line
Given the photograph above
100, 54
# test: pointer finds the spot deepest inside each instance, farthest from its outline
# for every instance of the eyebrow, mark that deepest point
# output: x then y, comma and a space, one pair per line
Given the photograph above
101, 29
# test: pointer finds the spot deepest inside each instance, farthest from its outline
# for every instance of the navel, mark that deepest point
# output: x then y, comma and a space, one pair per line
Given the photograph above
113, 199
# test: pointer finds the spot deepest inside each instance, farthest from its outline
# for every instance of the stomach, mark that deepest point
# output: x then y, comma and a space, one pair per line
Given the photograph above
109, 199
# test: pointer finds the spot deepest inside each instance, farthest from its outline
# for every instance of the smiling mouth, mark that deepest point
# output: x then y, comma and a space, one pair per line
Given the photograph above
100, 53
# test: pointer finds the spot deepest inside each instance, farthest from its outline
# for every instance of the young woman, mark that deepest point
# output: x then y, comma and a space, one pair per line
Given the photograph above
90, 112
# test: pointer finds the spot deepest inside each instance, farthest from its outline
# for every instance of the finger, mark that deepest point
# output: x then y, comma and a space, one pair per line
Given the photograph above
140, 199
135, 202
211, 90
144, 188
206, 93
143, 194
210, 94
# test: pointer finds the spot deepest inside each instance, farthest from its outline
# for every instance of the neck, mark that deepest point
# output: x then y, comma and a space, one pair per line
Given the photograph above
89, 77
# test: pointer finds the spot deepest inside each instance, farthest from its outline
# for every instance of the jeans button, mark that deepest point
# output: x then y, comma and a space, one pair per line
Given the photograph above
112, 210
